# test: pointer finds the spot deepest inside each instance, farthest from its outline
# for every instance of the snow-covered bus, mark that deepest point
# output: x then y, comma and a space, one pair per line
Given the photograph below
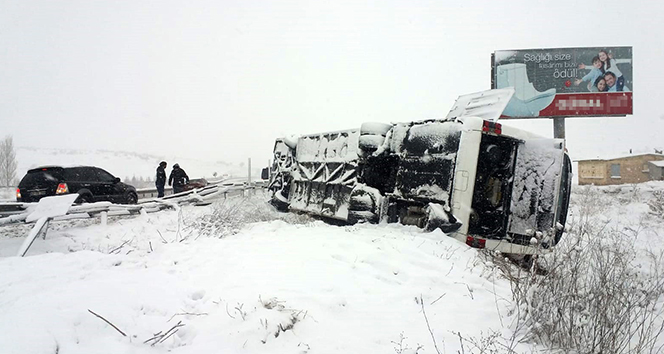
485, 184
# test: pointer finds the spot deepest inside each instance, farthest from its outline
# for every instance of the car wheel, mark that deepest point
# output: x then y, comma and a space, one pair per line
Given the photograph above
84, 198
132, 198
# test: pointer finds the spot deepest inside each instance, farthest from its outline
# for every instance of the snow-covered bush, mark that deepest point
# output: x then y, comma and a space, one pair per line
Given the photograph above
598, 291
656, 203
229, 216
590, 200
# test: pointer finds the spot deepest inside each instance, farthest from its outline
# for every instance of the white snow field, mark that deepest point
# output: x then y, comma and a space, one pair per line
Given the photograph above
216, 279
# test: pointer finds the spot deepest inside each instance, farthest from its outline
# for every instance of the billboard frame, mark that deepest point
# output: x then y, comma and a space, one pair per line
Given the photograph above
544, 64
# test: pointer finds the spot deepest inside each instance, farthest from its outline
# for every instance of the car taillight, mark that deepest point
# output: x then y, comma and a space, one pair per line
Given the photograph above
492, 127
62, 189
475, 242
18, 193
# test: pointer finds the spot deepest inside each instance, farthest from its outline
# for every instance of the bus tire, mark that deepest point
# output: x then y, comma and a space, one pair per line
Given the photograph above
360, 216
375, 128
279, 201
370, 142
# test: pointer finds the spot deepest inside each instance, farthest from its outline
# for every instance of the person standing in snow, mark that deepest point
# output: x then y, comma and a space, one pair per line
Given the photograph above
178, 179
160, 179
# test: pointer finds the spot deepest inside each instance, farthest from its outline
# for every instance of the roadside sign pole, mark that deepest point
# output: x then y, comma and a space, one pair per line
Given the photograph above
249, 176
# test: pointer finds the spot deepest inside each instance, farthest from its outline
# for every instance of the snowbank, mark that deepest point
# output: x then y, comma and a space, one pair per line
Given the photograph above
271, 288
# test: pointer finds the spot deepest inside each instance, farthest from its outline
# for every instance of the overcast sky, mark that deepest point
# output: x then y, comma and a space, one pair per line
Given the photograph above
220, 80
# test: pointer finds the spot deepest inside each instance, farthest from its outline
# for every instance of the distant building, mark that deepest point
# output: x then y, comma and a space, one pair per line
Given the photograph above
656, 170
621, 170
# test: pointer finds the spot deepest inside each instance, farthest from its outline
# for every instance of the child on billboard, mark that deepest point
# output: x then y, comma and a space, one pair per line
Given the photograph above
595, 73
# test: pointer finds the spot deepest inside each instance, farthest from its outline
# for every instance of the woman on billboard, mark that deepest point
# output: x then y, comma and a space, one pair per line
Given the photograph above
600, 84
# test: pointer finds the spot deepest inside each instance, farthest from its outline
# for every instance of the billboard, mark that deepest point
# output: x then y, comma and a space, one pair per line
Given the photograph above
565, 82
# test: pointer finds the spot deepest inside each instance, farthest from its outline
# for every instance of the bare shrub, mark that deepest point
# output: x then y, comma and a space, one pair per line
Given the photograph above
7, 162
630, 194
231, 215
656, 203
401, 347
283, 325
600, 293
161, 336
491, 343
590, 200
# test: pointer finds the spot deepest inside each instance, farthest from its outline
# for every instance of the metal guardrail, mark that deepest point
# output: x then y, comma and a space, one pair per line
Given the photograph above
60, 208
232, 185
11, 212
11, 208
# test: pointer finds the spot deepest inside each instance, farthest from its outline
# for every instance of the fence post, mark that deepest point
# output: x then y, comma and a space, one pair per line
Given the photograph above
249, 177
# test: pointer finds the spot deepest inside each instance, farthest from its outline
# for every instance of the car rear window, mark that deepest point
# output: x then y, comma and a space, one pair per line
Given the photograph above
40, 178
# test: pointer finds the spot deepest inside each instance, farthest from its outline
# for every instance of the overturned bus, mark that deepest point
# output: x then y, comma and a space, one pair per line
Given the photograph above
483, 183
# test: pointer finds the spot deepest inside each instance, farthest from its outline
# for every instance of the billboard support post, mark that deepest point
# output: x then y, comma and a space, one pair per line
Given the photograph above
559, 127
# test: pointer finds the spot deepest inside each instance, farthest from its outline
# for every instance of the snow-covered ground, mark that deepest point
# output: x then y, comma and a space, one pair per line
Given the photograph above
284, 285
273, 287
7, 194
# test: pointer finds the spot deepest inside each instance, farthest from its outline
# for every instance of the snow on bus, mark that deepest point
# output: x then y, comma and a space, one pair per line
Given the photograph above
487, 185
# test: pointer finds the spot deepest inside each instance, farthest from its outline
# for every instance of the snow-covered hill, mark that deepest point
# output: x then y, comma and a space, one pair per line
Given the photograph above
126, 164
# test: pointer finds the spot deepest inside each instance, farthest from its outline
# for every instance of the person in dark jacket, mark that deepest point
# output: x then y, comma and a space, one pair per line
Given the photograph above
178, 178
160, 180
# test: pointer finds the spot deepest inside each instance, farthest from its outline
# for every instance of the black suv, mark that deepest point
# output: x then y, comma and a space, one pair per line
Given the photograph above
91, 183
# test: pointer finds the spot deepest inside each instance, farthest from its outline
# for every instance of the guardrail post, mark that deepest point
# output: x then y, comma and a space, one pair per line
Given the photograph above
104, 218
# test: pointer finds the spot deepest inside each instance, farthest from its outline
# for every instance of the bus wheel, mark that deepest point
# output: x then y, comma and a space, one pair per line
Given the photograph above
359, 216
279, 201
363, 205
